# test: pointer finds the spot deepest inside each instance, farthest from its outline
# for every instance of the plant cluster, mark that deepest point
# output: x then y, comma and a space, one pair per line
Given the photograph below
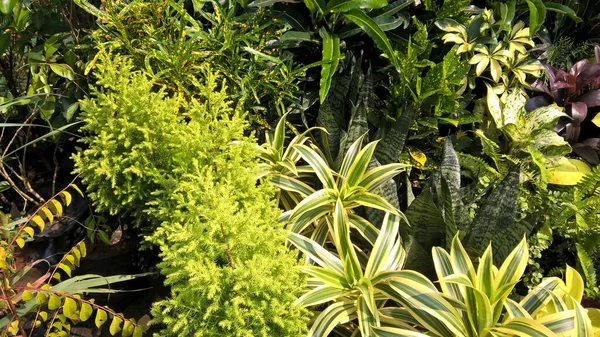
314, 168
189, 170
48, 301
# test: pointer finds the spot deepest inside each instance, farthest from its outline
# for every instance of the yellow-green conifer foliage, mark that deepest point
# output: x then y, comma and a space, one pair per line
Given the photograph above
190, 170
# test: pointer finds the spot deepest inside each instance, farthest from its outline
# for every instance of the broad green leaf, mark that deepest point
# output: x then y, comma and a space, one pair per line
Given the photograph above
372, 29
543, 116
479, 310
367, 309
350, 156
539, 296
341, 6
70, 307
138, 331
315, 6
101, 318
85, 312
461, 263
54, 302
430, 309
393, 8
373, 200
562, 9
494, 106
331, 59
6, 6
5, 40
279, 134
514, 309
291, 184
63, 70
115, 325
574, 283
583, 325
443, 269
450, 26
71, 110
537, 15
513, 106
128, 329
567, 171
485, 273
366, 229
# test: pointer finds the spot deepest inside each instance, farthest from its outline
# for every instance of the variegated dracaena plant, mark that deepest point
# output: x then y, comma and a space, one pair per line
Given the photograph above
475, 301
354, 292
279, 165
351, 187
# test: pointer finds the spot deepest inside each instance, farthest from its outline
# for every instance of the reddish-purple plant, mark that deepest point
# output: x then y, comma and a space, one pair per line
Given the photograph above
578, 91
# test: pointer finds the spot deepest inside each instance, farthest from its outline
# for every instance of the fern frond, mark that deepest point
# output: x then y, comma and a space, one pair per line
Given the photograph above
589, 183
477, 166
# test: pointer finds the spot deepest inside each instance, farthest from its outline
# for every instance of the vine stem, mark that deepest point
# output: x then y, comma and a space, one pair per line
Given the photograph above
96, 306
12, 241
11, 306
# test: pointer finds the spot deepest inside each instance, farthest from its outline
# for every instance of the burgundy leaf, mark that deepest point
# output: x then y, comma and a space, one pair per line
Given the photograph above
592, 142
578, 111
573, 130
580, 67
560, 126
539, 86
590, 98
589, 76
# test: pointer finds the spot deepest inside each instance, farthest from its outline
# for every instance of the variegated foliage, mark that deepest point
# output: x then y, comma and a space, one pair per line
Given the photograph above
531, 137
351, 288
494, 44
475, 301
280, 165
352, 186
373, 296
